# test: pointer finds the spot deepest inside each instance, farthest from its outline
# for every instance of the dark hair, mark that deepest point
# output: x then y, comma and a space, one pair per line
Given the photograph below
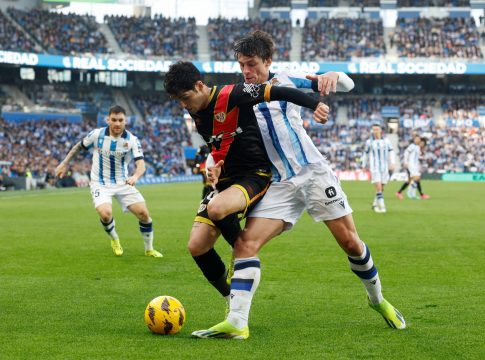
256, 43
116, 109
181, 77
423, 139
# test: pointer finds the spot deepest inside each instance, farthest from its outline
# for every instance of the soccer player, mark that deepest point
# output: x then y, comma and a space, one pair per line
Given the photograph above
225, 118
379, 157
302, 179
412, 155
113, 147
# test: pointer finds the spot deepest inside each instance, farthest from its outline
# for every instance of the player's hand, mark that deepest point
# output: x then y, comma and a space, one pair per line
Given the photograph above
131, 180
60, 170
326, 82
391, 168
213, 173
320, 115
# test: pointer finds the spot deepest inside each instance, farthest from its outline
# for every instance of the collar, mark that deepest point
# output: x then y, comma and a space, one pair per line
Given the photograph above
124, 135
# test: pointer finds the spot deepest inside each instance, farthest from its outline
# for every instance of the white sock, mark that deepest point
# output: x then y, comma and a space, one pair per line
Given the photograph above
146, 230
364, 268
244, 282
109, 227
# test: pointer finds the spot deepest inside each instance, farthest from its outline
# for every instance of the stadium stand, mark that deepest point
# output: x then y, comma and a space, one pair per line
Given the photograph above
62, 34
223, 32
12, 38
437, 38
342, 39
158, 36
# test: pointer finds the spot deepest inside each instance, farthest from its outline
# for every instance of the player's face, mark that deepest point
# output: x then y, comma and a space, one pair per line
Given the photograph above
254, 69
417, 140
377, 131
116, 123
193, 100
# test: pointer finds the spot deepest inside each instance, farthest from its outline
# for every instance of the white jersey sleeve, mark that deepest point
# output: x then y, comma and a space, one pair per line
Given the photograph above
390, 151
136, 150
90, 140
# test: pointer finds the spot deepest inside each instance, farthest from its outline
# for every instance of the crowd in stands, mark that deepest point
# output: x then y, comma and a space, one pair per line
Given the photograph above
62, 34
430, 3
342, 39
12, 38
275, 3
159, 36
224, 32
437, 38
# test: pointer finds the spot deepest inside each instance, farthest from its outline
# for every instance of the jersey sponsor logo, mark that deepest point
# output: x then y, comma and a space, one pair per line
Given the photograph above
252, 89
220, 117
333, 201
330, 192
111, 153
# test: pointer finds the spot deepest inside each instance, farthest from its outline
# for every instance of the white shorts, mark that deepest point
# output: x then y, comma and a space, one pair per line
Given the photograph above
414, 171
125, 194
315, 188
379, 177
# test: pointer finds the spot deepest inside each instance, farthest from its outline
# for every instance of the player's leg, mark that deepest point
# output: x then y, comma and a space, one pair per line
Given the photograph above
145, 222
246, 277
362, 264
102, 199
203, 236
379, 197
421, 193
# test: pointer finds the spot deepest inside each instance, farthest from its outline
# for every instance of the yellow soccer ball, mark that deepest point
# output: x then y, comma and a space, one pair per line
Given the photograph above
165, 315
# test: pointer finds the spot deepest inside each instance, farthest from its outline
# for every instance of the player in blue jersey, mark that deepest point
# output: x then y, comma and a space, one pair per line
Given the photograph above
113, 147
303, 179
379, 158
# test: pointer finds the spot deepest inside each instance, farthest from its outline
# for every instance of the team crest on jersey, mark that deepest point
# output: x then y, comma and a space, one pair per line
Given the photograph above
275, 81
125, 145
220, 117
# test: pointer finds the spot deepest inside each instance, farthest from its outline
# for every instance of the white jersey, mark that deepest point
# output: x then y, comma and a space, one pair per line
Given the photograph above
378, 155
111, 155
288, 145
411, 156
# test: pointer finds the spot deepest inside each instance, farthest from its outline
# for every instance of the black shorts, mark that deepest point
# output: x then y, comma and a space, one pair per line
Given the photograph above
254, 186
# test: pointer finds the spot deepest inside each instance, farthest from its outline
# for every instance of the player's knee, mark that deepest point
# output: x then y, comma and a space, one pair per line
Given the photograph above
105, 215
244, 248
143, 215
195, 248
216, 211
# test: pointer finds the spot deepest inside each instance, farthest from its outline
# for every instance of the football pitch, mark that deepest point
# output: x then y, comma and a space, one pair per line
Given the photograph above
64, 295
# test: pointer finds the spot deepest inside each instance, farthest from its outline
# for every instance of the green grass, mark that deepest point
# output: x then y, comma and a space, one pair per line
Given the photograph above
63, 295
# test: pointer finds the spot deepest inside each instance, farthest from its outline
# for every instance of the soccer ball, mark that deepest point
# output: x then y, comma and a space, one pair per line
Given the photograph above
165, 315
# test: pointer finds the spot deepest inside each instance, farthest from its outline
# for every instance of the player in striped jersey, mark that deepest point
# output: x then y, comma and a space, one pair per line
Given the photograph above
379, 158
225, 119
412, 156
303, 179
113, 147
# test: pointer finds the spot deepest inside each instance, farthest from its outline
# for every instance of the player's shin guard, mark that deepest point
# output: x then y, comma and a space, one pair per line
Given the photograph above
146, 230
364, 268
109, 227
214, 270
244, 282
229, 227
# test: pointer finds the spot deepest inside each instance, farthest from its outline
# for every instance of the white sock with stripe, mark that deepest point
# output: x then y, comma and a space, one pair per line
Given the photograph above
364, 268
109, 227
146, 230
244, 282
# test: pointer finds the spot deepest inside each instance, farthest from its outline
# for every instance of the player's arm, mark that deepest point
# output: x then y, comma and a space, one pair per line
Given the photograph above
297, 97
61, 169
331, 81
139, 171
365, 154
392, 157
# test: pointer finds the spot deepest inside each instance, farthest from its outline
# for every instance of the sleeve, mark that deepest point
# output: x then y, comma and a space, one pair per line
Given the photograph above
365, 155
136, 150
252, 94
89, 140
344, 83
406, 155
